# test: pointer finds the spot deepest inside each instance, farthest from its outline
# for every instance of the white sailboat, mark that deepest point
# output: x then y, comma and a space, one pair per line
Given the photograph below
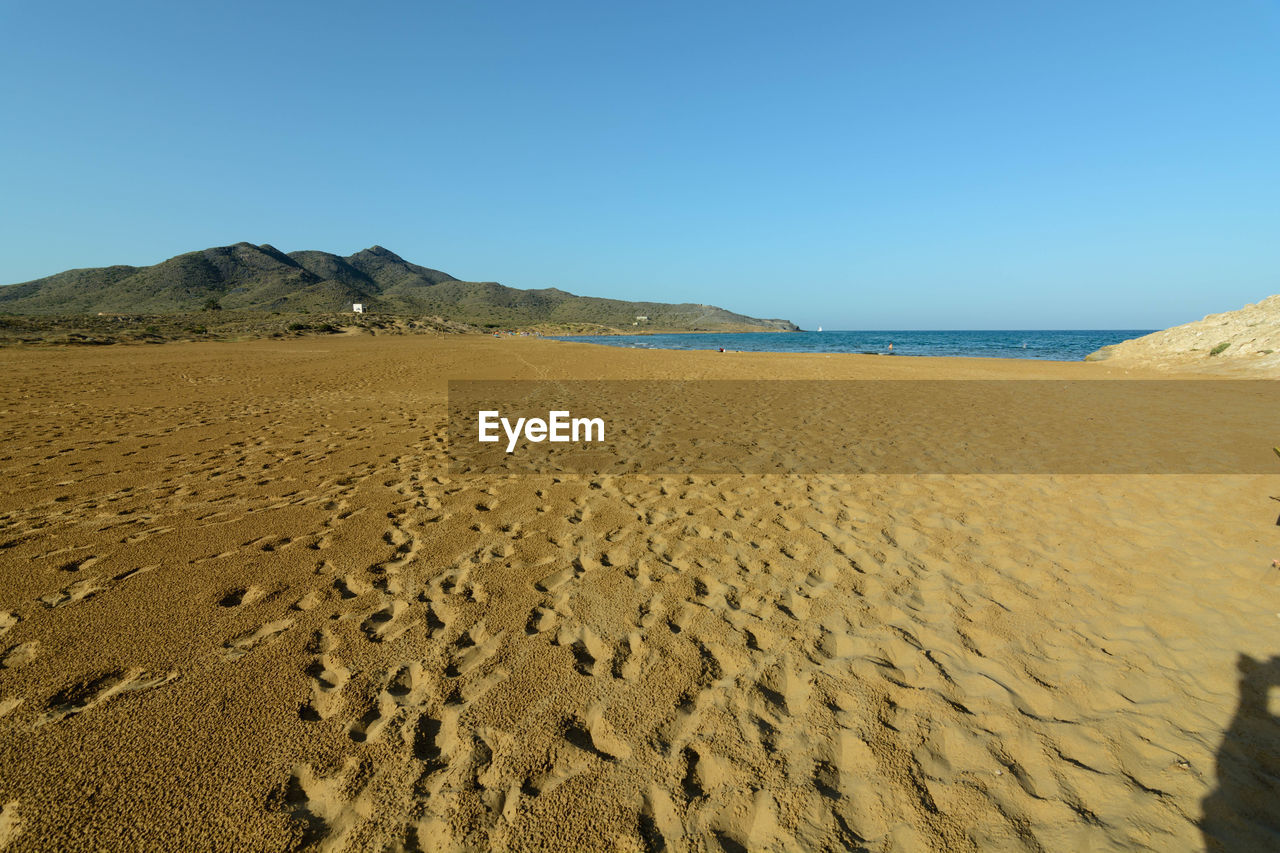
819, 328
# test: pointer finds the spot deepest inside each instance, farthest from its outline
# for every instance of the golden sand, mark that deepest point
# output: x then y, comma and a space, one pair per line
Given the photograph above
243, 605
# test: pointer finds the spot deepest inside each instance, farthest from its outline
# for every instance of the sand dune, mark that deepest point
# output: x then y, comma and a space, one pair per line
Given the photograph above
1241, 342
245, 606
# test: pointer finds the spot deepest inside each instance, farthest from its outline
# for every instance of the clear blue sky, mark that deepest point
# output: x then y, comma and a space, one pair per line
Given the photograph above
851, 164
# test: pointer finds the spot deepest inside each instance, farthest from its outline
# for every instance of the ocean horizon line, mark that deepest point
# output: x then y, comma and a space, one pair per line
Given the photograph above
1033, 344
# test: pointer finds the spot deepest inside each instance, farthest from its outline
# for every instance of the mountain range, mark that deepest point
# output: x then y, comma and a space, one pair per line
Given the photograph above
246, 277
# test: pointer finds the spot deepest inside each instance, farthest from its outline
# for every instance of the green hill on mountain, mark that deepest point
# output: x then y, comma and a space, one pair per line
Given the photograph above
245, 277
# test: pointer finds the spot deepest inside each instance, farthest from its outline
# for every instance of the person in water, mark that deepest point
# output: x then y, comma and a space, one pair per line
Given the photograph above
890, 346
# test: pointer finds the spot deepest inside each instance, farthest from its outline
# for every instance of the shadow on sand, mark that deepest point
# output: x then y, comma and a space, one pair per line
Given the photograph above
1243, 812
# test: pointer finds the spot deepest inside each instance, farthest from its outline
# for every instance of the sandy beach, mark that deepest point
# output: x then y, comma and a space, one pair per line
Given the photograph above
244, 605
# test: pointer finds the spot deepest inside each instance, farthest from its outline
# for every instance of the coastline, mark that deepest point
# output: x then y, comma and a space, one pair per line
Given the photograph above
1067, 346
648, 332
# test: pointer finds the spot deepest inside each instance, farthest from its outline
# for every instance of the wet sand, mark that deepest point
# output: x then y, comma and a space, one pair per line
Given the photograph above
244, 605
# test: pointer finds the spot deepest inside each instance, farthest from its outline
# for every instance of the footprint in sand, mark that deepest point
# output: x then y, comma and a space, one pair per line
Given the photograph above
406, 549
242, 597
239, 646
350, 586
458, 581
78, 565
458, 766
381, 625
328, 677
73, 594
86, 588
406, 684
326, 806
604, 738
372, 723
554, 582
629, 657
83, 697
404, 688
541, 619
473, 649
20, 655
436, 616
659, 821
131, 573
590, 654
10, 823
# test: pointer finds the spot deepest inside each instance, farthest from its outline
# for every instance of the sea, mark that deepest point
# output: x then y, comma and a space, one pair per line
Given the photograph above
1042, 344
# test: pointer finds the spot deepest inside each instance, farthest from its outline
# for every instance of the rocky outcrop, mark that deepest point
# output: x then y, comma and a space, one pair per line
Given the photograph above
1243, 341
